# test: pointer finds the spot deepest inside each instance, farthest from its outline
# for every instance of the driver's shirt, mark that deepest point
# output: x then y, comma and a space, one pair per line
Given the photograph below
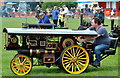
104, 36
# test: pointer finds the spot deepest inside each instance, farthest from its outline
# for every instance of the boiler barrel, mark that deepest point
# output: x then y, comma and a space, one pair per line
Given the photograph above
35, 52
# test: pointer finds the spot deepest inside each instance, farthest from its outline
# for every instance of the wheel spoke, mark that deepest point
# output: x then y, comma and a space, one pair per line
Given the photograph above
18, 70
14, 69
69, 66
24, 61
72, 67
81, 53
78, 52
69, 53
27, 67
67, 58
27, 61
15, 63
82, 58
26, 64
19, 60
77, 66
81, 64
14, 66
82, 61
23, 70
67, 62
73, 52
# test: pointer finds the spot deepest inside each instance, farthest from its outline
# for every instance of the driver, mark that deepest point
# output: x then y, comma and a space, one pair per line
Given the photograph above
101, 41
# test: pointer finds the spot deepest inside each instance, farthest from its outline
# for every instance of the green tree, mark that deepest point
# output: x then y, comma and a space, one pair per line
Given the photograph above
46, 5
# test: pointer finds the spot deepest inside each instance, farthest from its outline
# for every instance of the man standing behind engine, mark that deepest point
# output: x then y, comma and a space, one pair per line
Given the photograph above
55, 13
99, 14
66, 15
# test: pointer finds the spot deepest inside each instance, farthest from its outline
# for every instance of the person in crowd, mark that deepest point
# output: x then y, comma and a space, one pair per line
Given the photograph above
13, 10
101, 41
4, 13
113, 12
99, 14
73, 11
44, 18
61, 17
55, 13
77, 13
9, 11
41, 16
19, 11
37, 11
49, 12
87, 10
29, 11
66, 10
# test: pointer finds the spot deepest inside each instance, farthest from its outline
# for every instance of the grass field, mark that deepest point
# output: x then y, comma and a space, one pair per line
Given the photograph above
109, 66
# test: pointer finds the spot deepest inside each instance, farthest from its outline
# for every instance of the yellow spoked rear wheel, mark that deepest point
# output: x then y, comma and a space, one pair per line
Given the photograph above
74, 59
21, 65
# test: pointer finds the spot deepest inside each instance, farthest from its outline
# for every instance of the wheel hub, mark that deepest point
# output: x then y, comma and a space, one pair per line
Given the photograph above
68, 43
74, 59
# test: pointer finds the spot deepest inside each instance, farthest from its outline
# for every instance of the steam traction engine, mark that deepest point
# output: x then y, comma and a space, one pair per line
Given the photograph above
38, 47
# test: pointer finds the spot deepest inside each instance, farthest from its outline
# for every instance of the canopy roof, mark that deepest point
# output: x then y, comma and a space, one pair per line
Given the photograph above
48, 32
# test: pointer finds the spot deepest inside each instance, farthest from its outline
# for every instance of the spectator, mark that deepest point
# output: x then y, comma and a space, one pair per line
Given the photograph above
19, 11
9, 11
61, 17
113, 12
4, 13
44, 18
99, 14
37, 11
29, 11
77, 13
41, 16
66, 15
87, 10
55, 13
13, 9
73, 11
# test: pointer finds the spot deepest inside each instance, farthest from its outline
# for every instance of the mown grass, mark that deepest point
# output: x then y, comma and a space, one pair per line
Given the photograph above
0, 47
109, 66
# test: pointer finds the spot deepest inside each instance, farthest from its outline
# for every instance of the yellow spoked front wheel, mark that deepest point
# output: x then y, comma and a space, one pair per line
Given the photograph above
21, 65
74, 59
